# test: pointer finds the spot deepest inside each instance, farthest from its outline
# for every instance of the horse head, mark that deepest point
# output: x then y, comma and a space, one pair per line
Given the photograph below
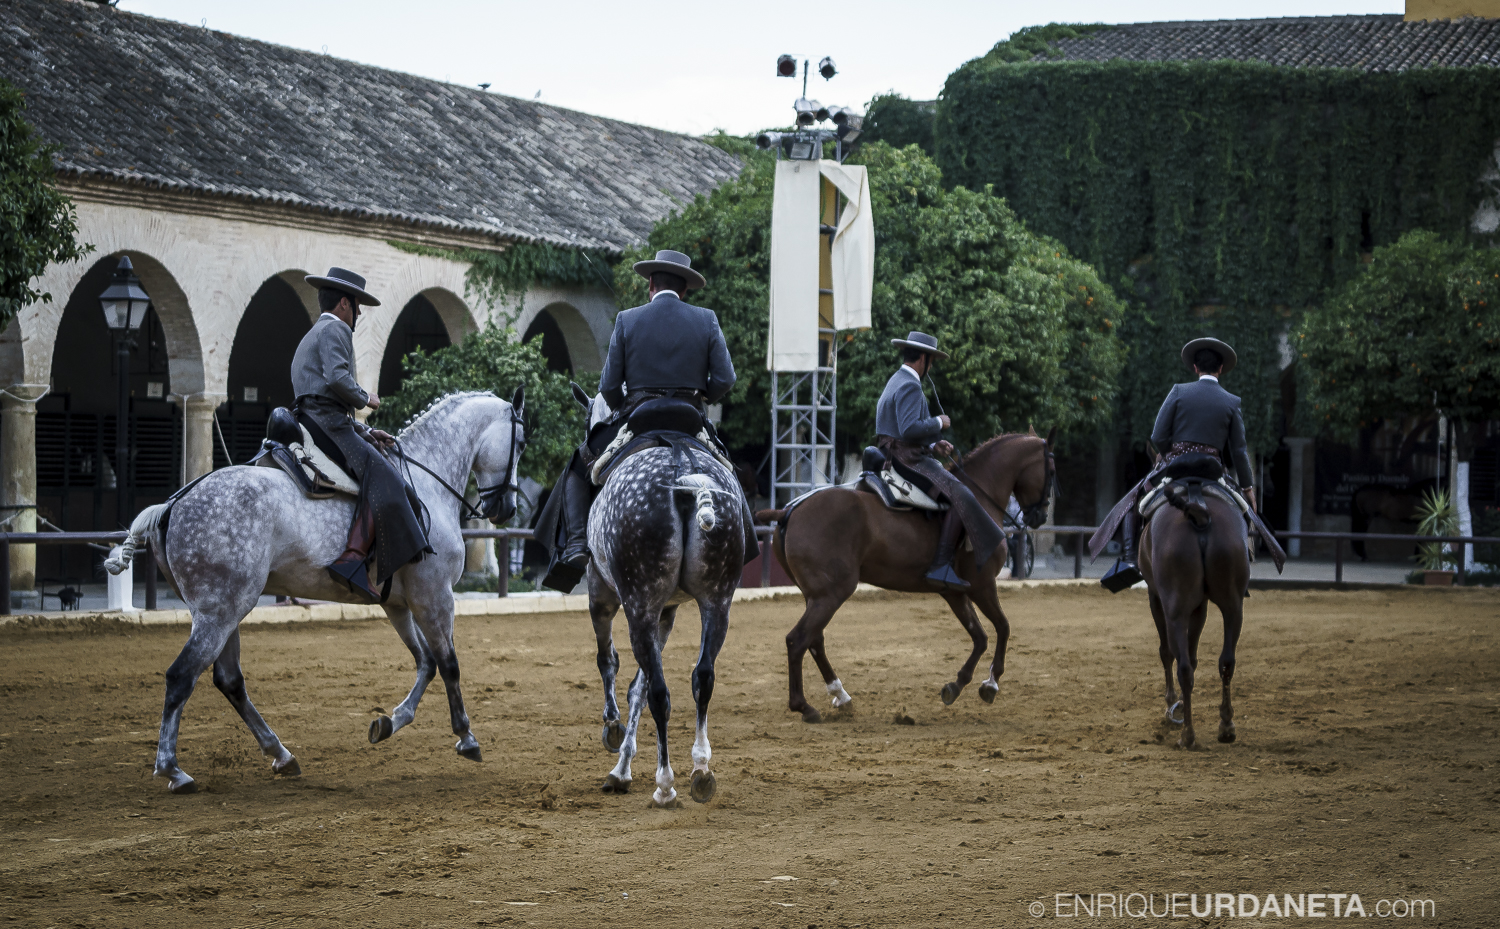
474, 432
1019, 465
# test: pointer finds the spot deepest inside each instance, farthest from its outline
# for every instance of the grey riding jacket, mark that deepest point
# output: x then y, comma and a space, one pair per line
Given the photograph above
902, 412
324, 364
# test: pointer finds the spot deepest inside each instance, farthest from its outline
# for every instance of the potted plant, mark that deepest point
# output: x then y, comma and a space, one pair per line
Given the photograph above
1437, 516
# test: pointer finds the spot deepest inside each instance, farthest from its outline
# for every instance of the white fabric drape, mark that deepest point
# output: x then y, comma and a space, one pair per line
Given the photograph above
793, 344
853, 246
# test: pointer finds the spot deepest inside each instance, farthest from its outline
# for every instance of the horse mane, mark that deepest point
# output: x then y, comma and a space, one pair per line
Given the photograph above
984, 447
417, 419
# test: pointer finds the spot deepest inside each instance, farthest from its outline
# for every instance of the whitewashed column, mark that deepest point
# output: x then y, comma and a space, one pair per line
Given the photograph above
18, 485
198, 447
1298, 448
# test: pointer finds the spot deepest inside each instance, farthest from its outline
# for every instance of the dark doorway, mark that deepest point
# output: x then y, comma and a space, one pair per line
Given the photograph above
418, 326
260, 369
554, 346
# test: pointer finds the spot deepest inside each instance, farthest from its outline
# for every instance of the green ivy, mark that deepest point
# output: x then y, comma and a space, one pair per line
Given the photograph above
509, 273
1419, 327
1226, 197
898, 122
38, 225
1030, 328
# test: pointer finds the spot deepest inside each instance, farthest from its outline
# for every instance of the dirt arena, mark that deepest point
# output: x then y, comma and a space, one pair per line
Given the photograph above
1366, 764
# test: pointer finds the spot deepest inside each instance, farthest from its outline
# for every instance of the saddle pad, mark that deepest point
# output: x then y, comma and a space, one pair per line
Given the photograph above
323, 477
908, 494
1157, 497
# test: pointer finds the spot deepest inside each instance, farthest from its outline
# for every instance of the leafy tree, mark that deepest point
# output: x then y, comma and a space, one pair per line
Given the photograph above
899, 122
1416, 329
494, 359
1031, 330
37, 224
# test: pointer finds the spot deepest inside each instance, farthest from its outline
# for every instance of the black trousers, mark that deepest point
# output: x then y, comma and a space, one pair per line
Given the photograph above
916, 465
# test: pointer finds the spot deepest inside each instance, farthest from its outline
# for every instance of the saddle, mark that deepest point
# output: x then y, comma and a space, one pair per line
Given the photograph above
289, 446
1184, 482
880, 478
652, 425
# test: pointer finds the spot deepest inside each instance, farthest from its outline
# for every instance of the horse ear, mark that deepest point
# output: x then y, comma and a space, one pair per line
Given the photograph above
581, 397
518, 399
1051, 436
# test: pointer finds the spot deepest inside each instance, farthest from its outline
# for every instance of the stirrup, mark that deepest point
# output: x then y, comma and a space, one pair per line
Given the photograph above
945, 578
563, 576
1122, 576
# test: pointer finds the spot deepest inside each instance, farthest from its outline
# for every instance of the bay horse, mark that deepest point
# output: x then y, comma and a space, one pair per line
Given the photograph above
668, 526
243, 531
830, 541
1193, 553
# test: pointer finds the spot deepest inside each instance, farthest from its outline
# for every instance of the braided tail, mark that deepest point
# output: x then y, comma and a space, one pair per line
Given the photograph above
145, 523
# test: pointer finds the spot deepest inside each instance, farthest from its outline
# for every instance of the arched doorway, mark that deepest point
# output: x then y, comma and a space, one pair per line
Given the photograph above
419, 326
260, 366
77, 474
554, 343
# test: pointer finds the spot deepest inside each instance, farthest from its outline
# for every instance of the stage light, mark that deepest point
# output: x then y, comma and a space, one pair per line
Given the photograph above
826, 68
807, 111
786, 66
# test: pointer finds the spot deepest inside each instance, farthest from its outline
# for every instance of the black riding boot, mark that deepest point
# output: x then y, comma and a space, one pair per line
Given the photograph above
941, 575
572, 558
1125, 573
350, 568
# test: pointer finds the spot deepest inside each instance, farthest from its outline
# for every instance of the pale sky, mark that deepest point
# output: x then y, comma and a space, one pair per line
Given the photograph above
691, 67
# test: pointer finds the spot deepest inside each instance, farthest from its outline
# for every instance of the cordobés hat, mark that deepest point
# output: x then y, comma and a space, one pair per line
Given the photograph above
672, 263
922, 342
1225, 352
347, 281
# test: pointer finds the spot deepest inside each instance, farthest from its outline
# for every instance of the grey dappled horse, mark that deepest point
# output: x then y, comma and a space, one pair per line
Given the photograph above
666, 527
244, 531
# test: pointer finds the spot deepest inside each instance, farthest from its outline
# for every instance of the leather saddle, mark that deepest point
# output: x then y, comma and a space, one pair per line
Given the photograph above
1185, 481
652, 424
879, 477
289, 446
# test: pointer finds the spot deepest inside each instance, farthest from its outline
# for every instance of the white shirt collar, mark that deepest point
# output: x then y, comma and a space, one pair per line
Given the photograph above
660, 293
1208, 377
912, 371
330, 316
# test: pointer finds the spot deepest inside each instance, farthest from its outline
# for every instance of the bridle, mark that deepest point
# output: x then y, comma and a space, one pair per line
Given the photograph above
497, 503
1033, 515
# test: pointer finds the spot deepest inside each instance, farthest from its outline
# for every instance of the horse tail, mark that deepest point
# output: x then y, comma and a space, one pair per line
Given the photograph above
703, 500
145, 523
767, 517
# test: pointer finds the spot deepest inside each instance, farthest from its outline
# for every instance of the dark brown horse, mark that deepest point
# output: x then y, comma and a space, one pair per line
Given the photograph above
1189, 558
838, 537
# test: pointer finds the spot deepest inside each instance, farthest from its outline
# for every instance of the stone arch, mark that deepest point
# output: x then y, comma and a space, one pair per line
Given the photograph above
562, 321
305, 292
419, 324
170, 304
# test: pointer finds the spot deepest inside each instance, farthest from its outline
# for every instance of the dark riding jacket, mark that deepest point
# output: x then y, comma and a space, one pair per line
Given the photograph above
1204, 413
902, 412
667, 344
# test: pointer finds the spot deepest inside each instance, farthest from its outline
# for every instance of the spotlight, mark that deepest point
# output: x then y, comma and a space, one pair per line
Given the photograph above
826, 68
768, 140
786, 66
848, 124
808, 110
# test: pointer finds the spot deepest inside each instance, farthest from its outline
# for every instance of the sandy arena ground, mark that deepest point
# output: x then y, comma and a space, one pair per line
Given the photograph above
1366, 764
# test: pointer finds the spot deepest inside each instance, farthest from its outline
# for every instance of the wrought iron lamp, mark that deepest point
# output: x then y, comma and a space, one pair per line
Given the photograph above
124, 303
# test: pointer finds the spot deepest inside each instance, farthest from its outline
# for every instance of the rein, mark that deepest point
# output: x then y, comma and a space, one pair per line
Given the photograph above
495, 493
1048, 487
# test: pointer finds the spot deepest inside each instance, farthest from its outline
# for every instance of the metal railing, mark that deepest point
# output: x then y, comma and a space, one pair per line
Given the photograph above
765, 533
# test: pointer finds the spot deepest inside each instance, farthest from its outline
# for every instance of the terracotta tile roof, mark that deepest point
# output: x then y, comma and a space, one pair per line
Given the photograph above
153, 102
1369, 43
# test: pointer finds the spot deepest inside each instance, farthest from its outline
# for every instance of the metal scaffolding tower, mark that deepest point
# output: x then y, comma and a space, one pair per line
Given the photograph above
803, 416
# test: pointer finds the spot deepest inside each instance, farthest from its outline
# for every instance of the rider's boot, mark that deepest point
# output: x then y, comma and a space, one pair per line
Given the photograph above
1125, 573
350, 567
941, 575
573, 556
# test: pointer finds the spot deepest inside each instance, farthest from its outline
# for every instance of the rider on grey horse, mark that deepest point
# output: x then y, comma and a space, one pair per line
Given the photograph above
908, 432
1199, 417
667, 348
328, 394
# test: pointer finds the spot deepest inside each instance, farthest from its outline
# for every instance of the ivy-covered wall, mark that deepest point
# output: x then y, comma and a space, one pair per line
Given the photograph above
1224, 196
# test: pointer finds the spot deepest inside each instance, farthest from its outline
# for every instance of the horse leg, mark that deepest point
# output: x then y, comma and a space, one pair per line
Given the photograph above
964, 610
1164, 650
987, 599
435, 622
715, 626
1184, 631
205, 642
808, 634
618, 780
836, 690
384, 727
602, 608
1233, 612
647, 649
231, 683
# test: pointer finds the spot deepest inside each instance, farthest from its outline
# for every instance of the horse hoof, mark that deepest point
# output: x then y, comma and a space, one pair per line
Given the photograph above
1226, 734
950, 693
468, 746
614, 735
290, 769
615, 785
703, 786
1186, 743
381, 729
181, 783
811, 715
988, 691
661, 801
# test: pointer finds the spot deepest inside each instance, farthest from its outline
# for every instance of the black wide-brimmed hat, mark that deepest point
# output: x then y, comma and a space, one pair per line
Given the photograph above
347, 281
922, 342
1225, 352
672, 263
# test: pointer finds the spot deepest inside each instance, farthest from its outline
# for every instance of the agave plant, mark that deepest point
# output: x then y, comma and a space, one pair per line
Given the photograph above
1437, 515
